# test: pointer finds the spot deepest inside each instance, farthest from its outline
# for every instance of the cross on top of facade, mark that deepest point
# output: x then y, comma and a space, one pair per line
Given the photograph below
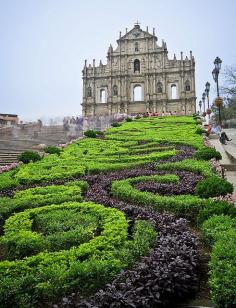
137, 23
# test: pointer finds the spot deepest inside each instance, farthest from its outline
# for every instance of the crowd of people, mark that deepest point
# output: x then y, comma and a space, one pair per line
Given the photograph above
72, 121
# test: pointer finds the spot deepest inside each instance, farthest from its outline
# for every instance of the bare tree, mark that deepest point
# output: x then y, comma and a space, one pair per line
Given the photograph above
229, 87
228, 90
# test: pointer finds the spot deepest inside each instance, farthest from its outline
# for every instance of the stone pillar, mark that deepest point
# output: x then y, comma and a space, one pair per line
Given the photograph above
126, 107
155, 106
109, 108
164, 106
146, 98
126, 89
118, 107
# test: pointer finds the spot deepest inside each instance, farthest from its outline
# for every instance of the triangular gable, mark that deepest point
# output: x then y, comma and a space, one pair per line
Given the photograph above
136, 33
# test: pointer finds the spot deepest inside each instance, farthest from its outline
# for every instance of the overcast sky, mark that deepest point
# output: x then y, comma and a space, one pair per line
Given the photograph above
43, 44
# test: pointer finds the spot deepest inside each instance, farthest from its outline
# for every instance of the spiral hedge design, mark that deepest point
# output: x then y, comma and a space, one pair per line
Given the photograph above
106, 220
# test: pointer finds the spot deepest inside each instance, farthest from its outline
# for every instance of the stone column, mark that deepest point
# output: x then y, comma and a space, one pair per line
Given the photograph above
126, 107
155, 106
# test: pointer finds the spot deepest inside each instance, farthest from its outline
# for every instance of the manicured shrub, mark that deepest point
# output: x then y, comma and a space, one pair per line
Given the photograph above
29, 156
199, 167
8, 181
149, 149
90, 133
200, 131
87, 266
220, 232
191, 207
223, 270
53, 231
161, 279
216, 226
207, 154
129, 120
182, 205
52, 150
213, 186
51, 167
41, 196
212, 208
99, 133
115, 124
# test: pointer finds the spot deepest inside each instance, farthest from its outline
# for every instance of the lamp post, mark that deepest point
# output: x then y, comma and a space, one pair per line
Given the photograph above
207, 90
204, 106
200, 106
215, 74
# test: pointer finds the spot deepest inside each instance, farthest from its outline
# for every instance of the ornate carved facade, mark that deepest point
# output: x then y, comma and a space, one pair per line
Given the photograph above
138, 78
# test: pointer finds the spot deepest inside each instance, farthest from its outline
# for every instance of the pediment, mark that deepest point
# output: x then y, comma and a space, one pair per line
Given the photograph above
136, 33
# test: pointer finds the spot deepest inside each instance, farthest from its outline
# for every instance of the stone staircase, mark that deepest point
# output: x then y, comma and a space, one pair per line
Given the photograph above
15, 140
230, 150
8, 157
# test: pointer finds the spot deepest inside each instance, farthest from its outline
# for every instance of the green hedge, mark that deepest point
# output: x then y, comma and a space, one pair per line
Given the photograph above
29, 156
52, 150
90, 133
40, 196
116, 124
7, 180
54, 229
49, 168
216, 226
215, 208
206, 153
87, 266
179, 130
200, 131
197, 166
220, 231
213, 186
150, 149
191, 207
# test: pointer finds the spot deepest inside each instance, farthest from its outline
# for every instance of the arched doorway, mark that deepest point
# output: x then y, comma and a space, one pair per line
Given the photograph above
137, 93
102, 96
173, 91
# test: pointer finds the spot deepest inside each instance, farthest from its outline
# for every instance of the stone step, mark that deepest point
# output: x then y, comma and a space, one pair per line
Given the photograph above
230, 149
229, 167
8, 158
26, 144
16, 140
5, 163
6, 154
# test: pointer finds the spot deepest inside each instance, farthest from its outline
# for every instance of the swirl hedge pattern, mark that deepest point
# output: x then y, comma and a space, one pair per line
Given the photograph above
108, 221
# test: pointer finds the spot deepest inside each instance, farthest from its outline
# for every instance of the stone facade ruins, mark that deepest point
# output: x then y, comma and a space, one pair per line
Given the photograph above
138, 78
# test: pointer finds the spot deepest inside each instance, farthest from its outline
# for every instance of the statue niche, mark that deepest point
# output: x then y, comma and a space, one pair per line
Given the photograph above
136, 66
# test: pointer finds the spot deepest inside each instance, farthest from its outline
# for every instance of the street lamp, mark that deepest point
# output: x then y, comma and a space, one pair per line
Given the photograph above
215, 74
207, 90
203, 100
200, 106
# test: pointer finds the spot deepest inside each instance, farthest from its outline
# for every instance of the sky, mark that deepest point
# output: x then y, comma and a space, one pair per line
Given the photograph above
43, 45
